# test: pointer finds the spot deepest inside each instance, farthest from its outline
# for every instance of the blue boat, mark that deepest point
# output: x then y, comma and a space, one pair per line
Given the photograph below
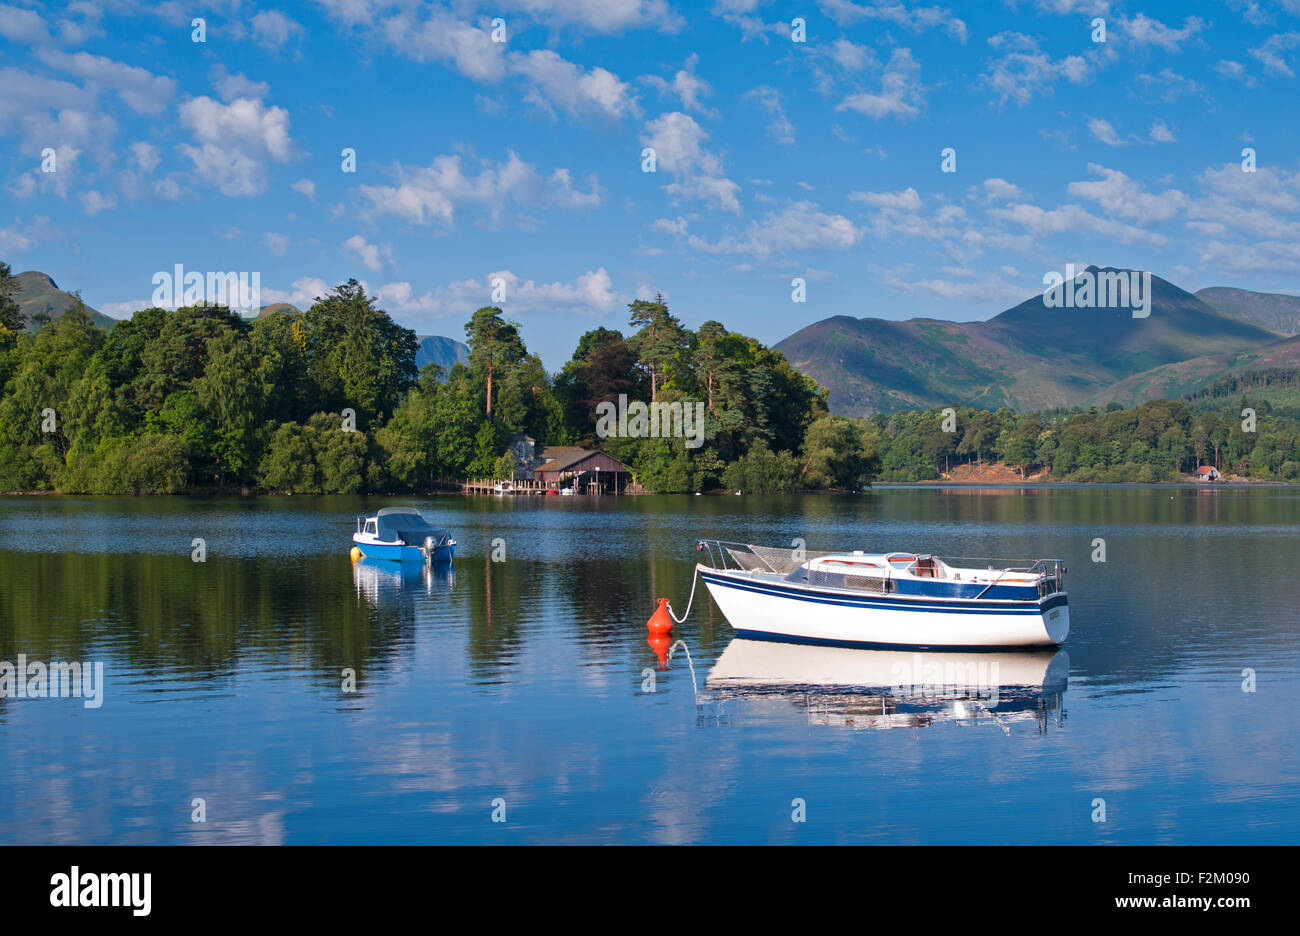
401, 534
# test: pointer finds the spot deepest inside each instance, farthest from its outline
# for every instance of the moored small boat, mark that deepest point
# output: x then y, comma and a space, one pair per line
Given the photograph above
402, 534
897, 599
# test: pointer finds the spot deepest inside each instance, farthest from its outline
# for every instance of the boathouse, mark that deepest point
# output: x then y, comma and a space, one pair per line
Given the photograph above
1208, 473
585, 470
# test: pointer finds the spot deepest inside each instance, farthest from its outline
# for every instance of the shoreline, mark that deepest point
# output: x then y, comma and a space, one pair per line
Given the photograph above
931, 482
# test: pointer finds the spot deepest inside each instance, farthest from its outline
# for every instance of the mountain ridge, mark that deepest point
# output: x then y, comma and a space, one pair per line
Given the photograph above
1031, 356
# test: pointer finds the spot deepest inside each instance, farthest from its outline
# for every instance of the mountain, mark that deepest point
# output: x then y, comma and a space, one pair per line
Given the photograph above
1029, 357
1174, 380
434, 349
38, 294
284, 307
1274, 311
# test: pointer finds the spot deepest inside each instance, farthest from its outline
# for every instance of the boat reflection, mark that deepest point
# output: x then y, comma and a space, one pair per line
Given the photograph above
376, 579
893, 688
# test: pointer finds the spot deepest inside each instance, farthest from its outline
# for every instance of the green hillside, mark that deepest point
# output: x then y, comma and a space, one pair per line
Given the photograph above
1274, 311
38, 294
1030, 357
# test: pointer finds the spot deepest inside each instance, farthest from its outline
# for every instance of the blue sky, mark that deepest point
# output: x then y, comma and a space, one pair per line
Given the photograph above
521, 160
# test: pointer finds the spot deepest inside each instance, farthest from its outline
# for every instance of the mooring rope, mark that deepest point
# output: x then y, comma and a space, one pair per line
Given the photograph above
695, 581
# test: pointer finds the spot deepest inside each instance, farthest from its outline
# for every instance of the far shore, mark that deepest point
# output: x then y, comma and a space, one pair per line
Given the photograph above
1037, 481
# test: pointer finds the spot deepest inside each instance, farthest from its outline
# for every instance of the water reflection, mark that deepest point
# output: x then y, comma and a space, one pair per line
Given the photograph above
848, 688
376, 579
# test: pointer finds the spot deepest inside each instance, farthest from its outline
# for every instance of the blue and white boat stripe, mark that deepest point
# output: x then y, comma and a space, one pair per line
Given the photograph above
889, 603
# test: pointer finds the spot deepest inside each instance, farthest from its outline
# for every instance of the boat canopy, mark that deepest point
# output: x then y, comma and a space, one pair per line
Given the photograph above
406, 525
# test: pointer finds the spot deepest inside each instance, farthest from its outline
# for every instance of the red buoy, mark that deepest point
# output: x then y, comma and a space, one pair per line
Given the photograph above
660, 622
660, 643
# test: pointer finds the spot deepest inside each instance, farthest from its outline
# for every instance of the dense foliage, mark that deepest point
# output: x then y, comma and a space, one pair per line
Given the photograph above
1161, 440
329, 401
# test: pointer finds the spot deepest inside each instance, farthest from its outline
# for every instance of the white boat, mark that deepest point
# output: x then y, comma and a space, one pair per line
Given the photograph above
860, 599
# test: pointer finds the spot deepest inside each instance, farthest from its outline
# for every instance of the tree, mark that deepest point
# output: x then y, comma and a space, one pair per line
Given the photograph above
838, 455
11, 316
230, 392
358, 356
659, 340
603, 367
494, 344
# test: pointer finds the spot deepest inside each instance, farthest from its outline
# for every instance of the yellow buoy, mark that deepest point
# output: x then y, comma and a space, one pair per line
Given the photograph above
356, 553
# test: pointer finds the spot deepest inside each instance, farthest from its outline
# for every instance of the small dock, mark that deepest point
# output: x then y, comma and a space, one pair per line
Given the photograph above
489, 486
527, 488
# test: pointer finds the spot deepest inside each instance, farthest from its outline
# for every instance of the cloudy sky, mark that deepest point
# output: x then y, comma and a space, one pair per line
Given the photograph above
522, 160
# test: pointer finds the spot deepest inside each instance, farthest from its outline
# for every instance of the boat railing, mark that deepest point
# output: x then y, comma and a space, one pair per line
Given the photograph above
1049, 572
725, 555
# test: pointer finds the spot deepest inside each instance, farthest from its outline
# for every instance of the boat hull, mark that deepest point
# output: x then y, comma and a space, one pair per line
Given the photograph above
400, 552
773, 610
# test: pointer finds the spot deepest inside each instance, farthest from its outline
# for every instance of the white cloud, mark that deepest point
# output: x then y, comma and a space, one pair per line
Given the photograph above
141, 90
1263, 257
678, 142
272, 29
1160, 133
592, 293
1001, 190
917, 19
686, 85
17, 237
1143, 30
1273, 53
21, 25
443, 38
1102, 130
233, 86
906, 200
371, 256
304, 293
305, 187
899, 94
433, 193
798, 226
778, 125
602, 16
1023, 70
144, 157
1071, 219
669, 225
94, 202
852, 57
278, 244
1121, 197
1168, 83
987, 289
235, 140
560, 83
1236, 71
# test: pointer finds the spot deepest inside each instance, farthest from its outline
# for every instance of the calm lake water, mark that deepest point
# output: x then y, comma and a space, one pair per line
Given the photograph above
525, 681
